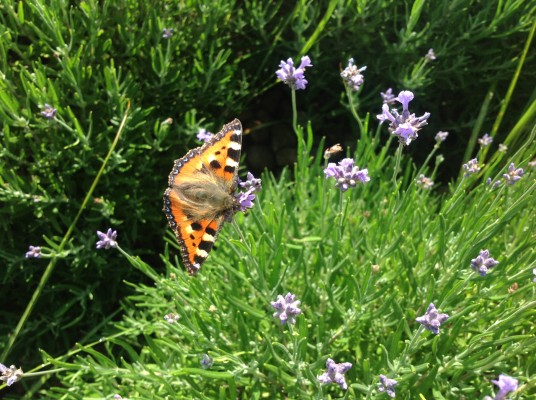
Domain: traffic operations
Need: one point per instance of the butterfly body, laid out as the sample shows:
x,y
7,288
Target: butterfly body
x,y
200,196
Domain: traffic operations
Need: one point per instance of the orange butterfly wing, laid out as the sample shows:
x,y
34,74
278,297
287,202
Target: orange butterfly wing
x,y
210,168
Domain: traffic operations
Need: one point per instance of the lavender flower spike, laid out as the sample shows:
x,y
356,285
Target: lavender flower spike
x,y
405,126
10,375
286,308
167,33
203,135
206,361
431,55
33,252
471,167
107,240
388,97
441,136
425,182
49,112
485,140
346,174
291,76
432,320
335,373
250,183
483,262
245,200
171,318
352,75
387,385
513,174
506,385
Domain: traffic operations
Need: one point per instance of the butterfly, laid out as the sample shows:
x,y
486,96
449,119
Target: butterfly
x,y
200,194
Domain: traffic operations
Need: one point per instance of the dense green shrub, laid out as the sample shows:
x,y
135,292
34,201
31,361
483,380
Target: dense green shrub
x,y
92,60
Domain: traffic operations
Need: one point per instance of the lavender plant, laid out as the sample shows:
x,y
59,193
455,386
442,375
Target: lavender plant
x,y
369,263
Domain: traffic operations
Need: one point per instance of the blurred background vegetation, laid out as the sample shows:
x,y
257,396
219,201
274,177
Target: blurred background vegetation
x,y
88,58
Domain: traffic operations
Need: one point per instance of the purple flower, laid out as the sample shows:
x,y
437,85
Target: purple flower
x,y
10,375
206,361
485,140
49,112
167,33
494,185
293,77
335,373
346,174
388,97
107,240
425,182
387,385
471,167
34,252
441,136
483,262
430,56
117,397
286,308
506,385
432,320
405,126
245,200
250,183
171,318
204,136
352,75
513,174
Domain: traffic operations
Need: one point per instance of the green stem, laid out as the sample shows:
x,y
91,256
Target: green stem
x,y
48,271
295,123
513,83
341,214
294,113
409,348
354,110
430,155
397,164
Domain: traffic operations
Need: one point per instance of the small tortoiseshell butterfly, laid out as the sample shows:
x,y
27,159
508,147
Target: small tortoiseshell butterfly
x,y
200,194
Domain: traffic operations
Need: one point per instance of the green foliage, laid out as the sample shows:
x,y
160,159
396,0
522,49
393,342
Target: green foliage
x,y
364,263
87,61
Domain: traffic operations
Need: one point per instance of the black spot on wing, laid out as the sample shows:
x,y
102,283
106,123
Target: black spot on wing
x,y
206,245
234,154
198,259
215,164
196,226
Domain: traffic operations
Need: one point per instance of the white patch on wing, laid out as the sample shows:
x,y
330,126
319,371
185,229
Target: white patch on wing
x,y
231,163
208,238
235,146
201,253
